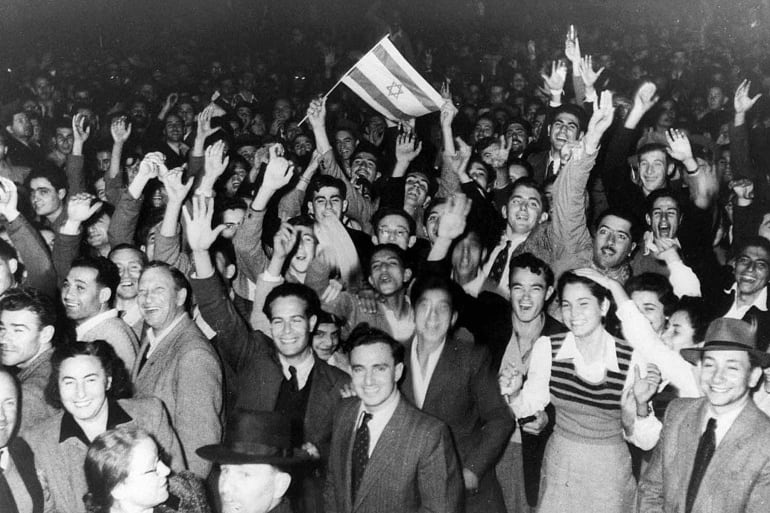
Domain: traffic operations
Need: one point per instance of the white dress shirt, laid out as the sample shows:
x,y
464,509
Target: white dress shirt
x,y
304,368
737,312
516,240
155,340
379,420
420,381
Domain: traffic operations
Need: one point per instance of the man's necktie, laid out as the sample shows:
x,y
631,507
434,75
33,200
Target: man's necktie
x,y
294,382
7,502
703,455
498,266
360,454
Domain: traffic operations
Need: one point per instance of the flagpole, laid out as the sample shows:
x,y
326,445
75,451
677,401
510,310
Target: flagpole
x,y
324,97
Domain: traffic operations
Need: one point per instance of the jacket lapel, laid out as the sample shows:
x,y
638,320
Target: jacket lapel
x,y
687,440
348,433
406,383
443,375
381,457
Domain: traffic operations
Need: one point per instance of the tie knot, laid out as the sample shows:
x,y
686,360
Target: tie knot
x,y
293,371
366,419
711,425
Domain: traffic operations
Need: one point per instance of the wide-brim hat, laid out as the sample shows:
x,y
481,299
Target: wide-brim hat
x,y
255,437
725,334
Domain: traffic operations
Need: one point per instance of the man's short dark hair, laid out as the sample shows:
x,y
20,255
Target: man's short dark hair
x,y
297,290
534,265
636,227
574,110
318,182
653,146
521,122
130,247
531,183
431,281
392,211
752,241
364,335
661,193
392,248
658,285
51,173
107,274
28,298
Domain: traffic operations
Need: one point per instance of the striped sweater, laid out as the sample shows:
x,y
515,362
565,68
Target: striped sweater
x,y
588,412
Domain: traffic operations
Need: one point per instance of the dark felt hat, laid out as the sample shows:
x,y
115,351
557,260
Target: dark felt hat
x,y
255,437
725,334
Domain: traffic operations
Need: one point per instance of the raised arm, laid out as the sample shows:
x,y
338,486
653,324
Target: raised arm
x,y
28,243
123,224
121,131
168,246
80,208
739,140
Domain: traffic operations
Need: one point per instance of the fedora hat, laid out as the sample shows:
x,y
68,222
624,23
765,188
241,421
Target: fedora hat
x,y
255,437
725,334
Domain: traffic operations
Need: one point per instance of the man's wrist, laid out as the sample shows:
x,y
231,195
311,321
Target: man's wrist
x,y
691,165
11,214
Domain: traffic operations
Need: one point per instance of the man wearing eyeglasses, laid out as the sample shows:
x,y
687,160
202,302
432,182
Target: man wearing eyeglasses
x,y
747,298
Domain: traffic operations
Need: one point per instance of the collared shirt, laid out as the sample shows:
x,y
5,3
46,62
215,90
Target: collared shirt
x,y
69,427
737,312
724,421
516,240
420,381
155,340
400,329
379,420
591,372
133,315
303,368
91,323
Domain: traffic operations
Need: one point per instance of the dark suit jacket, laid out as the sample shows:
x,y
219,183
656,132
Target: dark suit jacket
x,y
252,356
737,478
463,392
413,467
539,162
24,461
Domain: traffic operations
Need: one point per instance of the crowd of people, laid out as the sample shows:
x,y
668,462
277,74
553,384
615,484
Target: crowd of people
x,y
224,290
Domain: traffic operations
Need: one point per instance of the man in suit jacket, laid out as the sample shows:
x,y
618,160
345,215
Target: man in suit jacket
x,y
177,364
20,490
280,374
682,477
747,298
410,463
452,378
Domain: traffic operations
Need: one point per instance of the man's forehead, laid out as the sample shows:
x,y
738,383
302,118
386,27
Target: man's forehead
x,y
566,117
418,176
393,220
40,183
523,275
526,192
653,155
327,191
616,223
63,130
665,203
385,254
365,155
755,252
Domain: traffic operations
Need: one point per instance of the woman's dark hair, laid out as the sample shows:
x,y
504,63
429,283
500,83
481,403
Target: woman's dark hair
x,y
107,464
658,285
695,308
113,366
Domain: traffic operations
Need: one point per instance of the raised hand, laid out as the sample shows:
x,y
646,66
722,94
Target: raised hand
x,y
555,81
81,207
284,241
587,72
407,147
572,46
600,121
451,224
645,97
501,152
204,122
330,58
678,145
646,387
316,113
150,165
79,129
200,235
445,92
215,160
279,170
171,100
459,160
448,113
9,199
742,101
744,191
120,130
176,190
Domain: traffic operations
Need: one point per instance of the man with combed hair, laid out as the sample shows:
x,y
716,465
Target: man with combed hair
x,y
386,455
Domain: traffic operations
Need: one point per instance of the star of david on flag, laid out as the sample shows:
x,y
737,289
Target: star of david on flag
x,y
385,80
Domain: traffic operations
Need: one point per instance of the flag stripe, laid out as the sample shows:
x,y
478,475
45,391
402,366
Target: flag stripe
x,y
385,58
382,77
363,81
